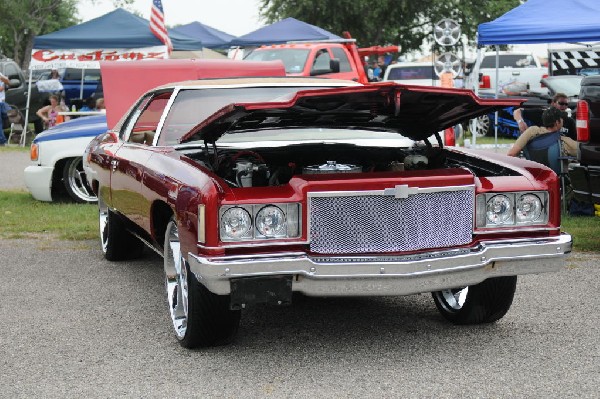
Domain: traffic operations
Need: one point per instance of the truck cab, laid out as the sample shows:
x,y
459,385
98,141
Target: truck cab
x,y
330,60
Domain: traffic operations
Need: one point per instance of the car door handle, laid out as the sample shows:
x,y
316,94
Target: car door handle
x,y
113,164
516,73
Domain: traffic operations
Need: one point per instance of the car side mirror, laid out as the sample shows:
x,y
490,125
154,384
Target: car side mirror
x,y
12,83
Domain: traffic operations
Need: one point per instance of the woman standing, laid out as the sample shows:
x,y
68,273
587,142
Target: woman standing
x,y
49,113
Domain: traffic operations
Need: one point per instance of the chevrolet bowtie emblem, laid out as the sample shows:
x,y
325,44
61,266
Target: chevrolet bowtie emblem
x,y
401,191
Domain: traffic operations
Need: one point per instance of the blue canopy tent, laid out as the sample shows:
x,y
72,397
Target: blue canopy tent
x,y
286,30
544,21
210,37
116,29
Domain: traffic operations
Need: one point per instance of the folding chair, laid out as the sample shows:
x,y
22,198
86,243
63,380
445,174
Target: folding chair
x,y
547,150
17,127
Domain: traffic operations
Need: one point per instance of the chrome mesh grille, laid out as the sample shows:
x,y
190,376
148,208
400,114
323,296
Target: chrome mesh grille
x,y
383,223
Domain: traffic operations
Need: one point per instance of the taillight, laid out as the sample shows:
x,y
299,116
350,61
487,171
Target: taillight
x,y
583,121
449,138
486,83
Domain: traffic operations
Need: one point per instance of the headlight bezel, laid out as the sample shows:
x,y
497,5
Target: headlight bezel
x,y
514,213
291,225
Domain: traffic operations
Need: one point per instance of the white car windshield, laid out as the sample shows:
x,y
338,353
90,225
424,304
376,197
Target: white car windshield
x,y
293,59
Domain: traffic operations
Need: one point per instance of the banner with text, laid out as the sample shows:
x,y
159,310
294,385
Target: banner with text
x,y
90,58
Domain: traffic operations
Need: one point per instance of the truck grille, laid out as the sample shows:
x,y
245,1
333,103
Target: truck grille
x,y
383,223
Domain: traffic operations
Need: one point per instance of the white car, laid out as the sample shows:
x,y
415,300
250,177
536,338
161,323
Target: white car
x,y
56,160
412,73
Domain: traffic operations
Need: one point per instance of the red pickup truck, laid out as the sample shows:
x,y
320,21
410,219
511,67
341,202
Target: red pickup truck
x,y
339,60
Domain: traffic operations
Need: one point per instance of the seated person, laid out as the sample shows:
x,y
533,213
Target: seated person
x,y
552,119
90,105
533,116
100,105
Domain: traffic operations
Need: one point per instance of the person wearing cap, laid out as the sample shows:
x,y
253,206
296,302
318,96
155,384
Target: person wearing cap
x,y
533,116
552,120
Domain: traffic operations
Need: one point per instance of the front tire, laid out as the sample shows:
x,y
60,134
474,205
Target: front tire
x,y
117,242
76,182
485,302
199,317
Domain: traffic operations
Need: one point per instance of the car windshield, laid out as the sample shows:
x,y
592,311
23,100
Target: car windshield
x,y
570,85
191,107
293,59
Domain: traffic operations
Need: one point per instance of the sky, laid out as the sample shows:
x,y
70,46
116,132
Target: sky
x,y
235,17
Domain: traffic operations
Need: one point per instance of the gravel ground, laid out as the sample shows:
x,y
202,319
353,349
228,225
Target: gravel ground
x,y
13,163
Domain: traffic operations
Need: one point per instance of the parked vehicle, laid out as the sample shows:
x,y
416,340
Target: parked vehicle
x,y
518,72
322,192
78,84
16,93
56,169
585,176
331,60
412,73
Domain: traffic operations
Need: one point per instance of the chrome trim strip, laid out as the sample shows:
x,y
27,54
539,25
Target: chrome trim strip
x,y
401,188
389,275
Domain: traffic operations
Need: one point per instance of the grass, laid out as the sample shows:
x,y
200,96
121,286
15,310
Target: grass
x,y
21,216
585,231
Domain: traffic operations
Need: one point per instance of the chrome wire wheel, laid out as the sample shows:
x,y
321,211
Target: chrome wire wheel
x,y
103,222
76,181
454,299
482,126
176,281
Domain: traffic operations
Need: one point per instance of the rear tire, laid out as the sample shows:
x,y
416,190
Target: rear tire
x,y
485,302
76,182
199,317
117,242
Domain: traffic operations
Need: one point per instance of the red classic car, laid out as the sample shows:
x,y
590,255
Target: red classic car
x,y
326,192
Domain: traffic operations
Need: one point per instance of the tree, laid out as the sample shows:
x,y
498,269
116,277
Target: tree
x,y
408,23
22,20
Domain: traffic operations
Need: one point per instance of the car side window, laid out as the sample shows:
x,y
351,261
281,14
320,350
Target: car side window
x,y
322,60
11,72
340,54
143,123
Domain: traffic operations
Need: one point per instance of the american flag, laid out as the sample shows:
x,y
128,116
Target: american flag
x,y
157,24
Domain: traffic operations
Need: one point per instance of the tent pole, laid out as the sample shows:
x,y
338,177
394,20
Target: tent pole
x,y
496,96
26,127
81,89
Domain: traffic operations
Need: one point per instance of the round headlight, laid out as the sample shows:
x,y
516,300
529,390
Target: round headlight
x,y
529,208
270,222
499,209
236,222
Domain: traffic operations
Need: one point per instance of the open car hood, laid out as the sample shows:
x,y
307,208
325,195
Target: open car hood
x,y
416,112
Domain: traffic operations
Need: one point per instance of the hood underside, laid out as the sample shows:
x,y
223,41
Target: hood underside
x,y
416,112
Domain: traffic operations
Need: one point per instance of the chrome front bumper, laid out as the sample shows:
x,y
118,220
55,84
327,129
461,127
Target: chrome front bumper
x,y
389,275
